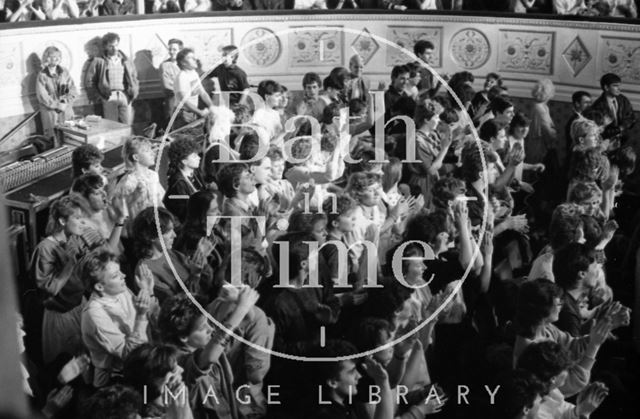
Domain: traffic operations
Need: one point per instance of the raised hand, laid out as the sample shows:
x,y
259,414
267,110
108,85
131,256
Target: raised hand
x,y
600,331
142,303
375,371
590,398
145,279
56,400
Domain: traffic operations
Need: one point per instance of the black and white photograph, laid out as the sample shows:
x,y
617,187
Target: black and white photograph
x,y
319,209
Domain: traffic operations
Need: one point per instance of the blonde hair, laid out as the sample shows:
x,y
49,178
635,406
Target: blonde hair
x,y
543,90
581,128
132,147
48,51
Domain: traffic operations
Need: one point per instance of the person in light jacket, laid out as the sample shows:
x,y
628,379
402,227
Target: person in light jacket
x,y
55,91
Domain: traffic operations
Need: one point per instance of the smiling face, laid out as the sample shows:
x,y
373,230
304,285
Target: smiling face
x,y
370,196
356,66
53,59
173,50
489,83
427,55
98,199
75,224
613,89
401,82
347,221
189,61
346,381
246,183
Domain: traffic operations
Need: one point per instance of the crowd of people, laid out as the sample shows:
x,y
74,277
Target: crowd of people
x,y
435,228
25,10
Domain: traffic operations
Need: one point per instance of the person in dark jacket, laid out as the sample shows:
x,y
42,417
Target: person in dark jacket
x,y
612,102
112,80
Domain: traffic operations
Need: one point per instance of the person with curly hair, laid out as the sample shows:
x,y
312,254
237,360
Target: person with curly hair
x,y
184,176
86,158
194,272
113,402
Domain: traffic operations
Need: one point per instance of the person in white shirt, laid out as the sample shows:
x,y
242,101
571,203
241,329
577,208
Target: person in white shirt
x,y
187,85
114,322
168,71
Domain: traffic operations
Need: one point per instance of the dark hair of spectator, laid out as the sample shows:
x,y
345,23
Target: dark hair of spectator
x,y
182,55
229,178
609,79
268,88
536,299
310,78
568,262
109,38
518,390
145,230
577,96
93,264
420,46
175,41
398,70
113,402
147,365
545,359
177,151
83,157
86,184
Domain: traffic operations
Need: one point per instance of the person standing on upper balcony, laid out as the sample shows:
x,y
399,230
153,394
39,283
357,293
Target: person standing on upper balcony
x,y
55,91
187,84
117,8
428,86
399,81
168,71
113,79
613,102
356,85
231,78
567,7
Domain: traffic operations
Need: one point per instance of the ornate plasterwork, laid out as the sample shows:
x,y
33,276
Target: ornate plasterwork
x,y
365,45
576,56
622,57
525,52
470,49
406,36
314,47
10,65
261,47
208,45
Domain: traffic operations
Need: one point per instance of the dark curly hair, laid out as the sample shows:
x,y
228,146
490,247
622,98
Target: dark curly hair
x,y
177,151
147,364
145,230
113,402
568,262
83,157
545,359
472,162
566,221
589,165
343,205
535,300
446,189
229,177
178,317
86,183
518,390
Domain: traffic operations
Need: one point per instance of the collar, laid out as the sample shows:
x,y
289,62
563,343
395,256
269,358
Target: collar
x,y
240,204
58,71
